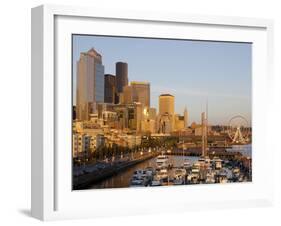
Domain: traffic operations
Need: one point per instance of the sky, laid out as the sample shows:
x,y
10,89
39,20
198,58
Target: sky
x,y
195,72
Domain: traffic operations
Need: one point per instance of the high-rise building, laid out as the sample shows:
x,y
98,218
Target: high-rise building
x,y
179,122
141,93
109,88
90,83
121,76
204,133
126,96
166,104
166,113
137,92
185,115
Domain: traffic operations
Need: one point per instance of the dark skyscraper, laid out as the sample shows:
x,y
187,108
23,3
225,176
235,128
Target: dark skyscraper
x,y
121,76
109,88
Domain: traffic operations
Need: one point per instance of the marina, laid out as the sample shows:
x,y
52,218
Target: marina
x,y
164,169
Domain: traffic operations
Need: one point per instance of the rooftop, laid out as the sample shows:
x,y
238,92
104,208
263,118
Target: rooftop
x,y
166,95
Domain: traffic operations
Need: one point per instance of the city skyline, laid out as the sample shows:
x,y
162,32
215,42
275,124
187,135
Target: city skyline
x,y
192,71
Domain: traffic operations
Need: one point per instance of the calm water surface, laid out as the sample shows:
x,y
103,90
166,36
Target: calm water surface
x,y
122,179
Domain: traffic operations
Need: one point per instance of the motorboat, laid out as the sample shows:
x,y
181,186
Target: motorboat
x,y
137,181
217,163
187,164
179,176
162,161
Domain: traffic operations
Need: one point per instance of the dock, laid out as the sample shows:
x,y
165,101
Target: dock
x,y
87,179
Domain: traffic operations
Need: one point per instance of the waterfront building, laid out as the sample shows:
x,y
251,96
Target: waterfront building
x,y
80,145
110,92
90,83
133,140
121,76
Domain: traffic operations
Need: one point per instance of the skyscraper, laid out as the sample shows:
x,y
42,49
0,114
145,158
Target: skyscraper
x,y
121,76
90,83
185,115
204,133
109,88
137,92
166,104
166,113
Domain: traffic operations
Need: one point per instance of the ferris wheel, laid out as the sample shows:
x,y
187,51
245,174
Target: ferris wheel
x,y
238,129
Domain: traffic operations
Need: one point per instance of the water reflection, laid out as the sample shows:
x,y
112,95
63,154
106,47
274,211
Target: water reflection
x,y
122,179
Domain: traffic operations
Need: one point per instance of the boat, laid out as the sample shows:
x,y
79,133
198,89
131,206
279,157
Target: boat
x,y
156,181
149,171
179,176
162,161
236,172
217,163
221,177
160,178
210,177
137,181
187,164
140,173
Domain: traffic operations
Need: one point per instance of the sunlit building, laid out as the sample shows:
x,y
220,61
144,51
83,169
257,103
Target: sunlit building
x,y
185,115
166,113
80,145
90,83
137,92
166,104
179,122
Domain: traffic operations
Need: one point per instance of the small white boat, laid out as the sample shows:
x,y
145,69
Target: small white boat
x,y
236,172
162,161
156,182
217,163
187,164
179,176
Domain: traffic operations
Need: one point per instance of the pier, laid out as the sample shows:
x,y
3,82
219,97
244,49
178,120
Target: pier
x,y
212,152
106,170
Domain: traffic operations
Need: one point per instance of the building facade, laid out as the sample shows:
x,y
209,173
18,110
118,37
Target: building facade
x,y
90,83
110,89
137,92
166,113
185,115
121,76
166,104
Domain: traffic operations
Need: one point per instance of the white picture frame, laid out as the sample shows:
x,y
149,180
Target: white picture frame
x,y
52,198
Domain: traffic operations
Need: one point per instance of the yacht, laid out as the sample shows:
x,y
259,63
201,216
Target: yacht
x,y
136,181
187,164
162,162
179,176
217,163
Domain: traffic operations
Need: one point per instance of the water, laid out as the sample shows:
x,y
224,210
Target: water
x,y
245,150
122,179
